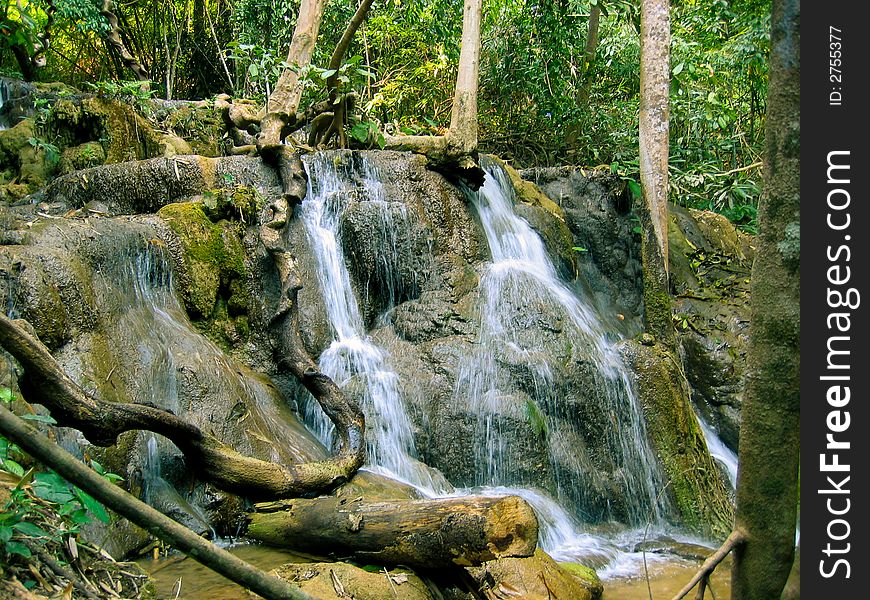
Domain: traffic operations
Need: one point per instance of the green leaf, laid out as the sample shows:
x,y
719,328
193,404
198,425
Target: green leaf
x,y
97,509
18,548
6,394
634,187
679,68
253,70
328,73
80,516
29,529
13,467
579,249
5,534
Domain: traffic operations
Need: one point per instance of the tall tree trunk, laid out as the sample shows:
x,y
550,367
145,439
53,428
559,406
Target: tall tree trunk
x,y
655,36
462,136
589,53
769,438
283,103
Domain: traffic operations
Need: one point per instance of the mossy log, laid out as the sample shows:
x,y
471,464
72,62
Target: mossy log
x,y
419,533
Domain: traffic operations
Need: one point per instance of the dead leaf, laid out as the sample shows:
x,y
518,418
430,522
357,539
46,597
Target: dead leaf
x,y
399,579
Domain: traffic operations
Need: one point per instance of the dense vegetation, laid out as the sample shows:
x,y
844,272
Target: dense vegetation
x,y
553,90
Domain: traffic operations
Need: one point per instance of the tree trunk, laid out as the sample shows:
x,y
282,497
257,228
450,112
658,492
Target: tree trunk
x,y
770,436
462,135
418,533
156,523
113,38
653,130
589,52
454,153
282,105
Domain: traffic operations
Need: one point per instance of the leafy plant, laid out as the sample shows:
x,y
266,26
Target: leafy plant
x,y
52,152
39,498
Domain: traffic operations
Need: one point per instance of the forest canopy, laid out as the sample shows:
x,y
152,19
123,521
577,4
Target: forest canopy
x,y
559,79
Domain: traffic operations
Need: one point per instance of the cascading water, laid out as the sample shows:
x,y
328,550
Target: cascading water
x,y
520,277
719,451
519,284
352,360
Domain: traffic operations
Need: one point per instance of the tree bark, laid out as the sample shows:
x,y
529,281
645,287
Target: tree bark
x,y
454,154
653,131
159,525
462,135
341,48
770,436
420,533
283,103
113,38
589,52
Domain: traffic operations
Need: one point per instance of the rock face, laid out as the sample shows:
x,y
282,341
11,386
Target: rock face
x,y
103,294
171,309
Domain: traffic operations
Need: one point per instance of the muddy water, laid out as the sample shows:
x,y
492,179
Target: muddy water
x,y
184,578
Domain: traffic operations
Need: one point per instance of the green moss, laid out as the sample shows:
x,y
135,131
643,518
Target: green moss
x,y
239,202
213,288
694,481
586,574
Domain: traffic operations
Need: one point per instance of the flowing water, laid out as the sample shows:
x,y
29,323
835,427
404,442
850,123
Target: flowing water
x,y
520,269
719,451
352,360
521,280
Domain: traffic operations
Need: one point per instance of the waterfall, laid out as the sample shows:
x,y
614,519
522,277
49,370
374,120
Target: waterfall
x,y
719,451
519,284
520,276
352,360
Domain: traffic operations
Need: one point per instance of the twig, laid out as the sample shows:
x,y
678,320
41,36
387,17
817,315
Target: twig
x,y
736,538
738,170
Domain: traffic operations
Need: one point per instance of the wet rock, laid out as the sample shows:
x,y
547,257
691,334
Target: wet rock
x,y
668,545
710,269
597,212
538,577
342,580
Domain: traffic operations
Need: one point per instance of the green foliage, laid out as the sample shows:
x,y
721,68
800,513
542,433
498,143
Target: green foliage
x,y
52,152
257,69
133,91
42,508
536,419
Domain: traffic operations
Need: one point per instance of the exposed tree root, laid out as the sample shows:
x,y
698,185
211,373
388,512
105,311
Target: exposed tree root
x,y
143,515
102,422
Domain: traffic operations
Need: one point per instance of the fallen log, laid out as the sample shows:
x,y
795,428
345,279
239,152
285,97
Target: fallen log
x,y
418,533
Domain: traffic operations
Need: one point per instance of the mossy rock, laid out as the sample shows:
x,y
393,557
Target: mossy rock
x,y
13,141
327,581
201,128
213,257
240,203
536,577
83,156
587,576
695,483
124,134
